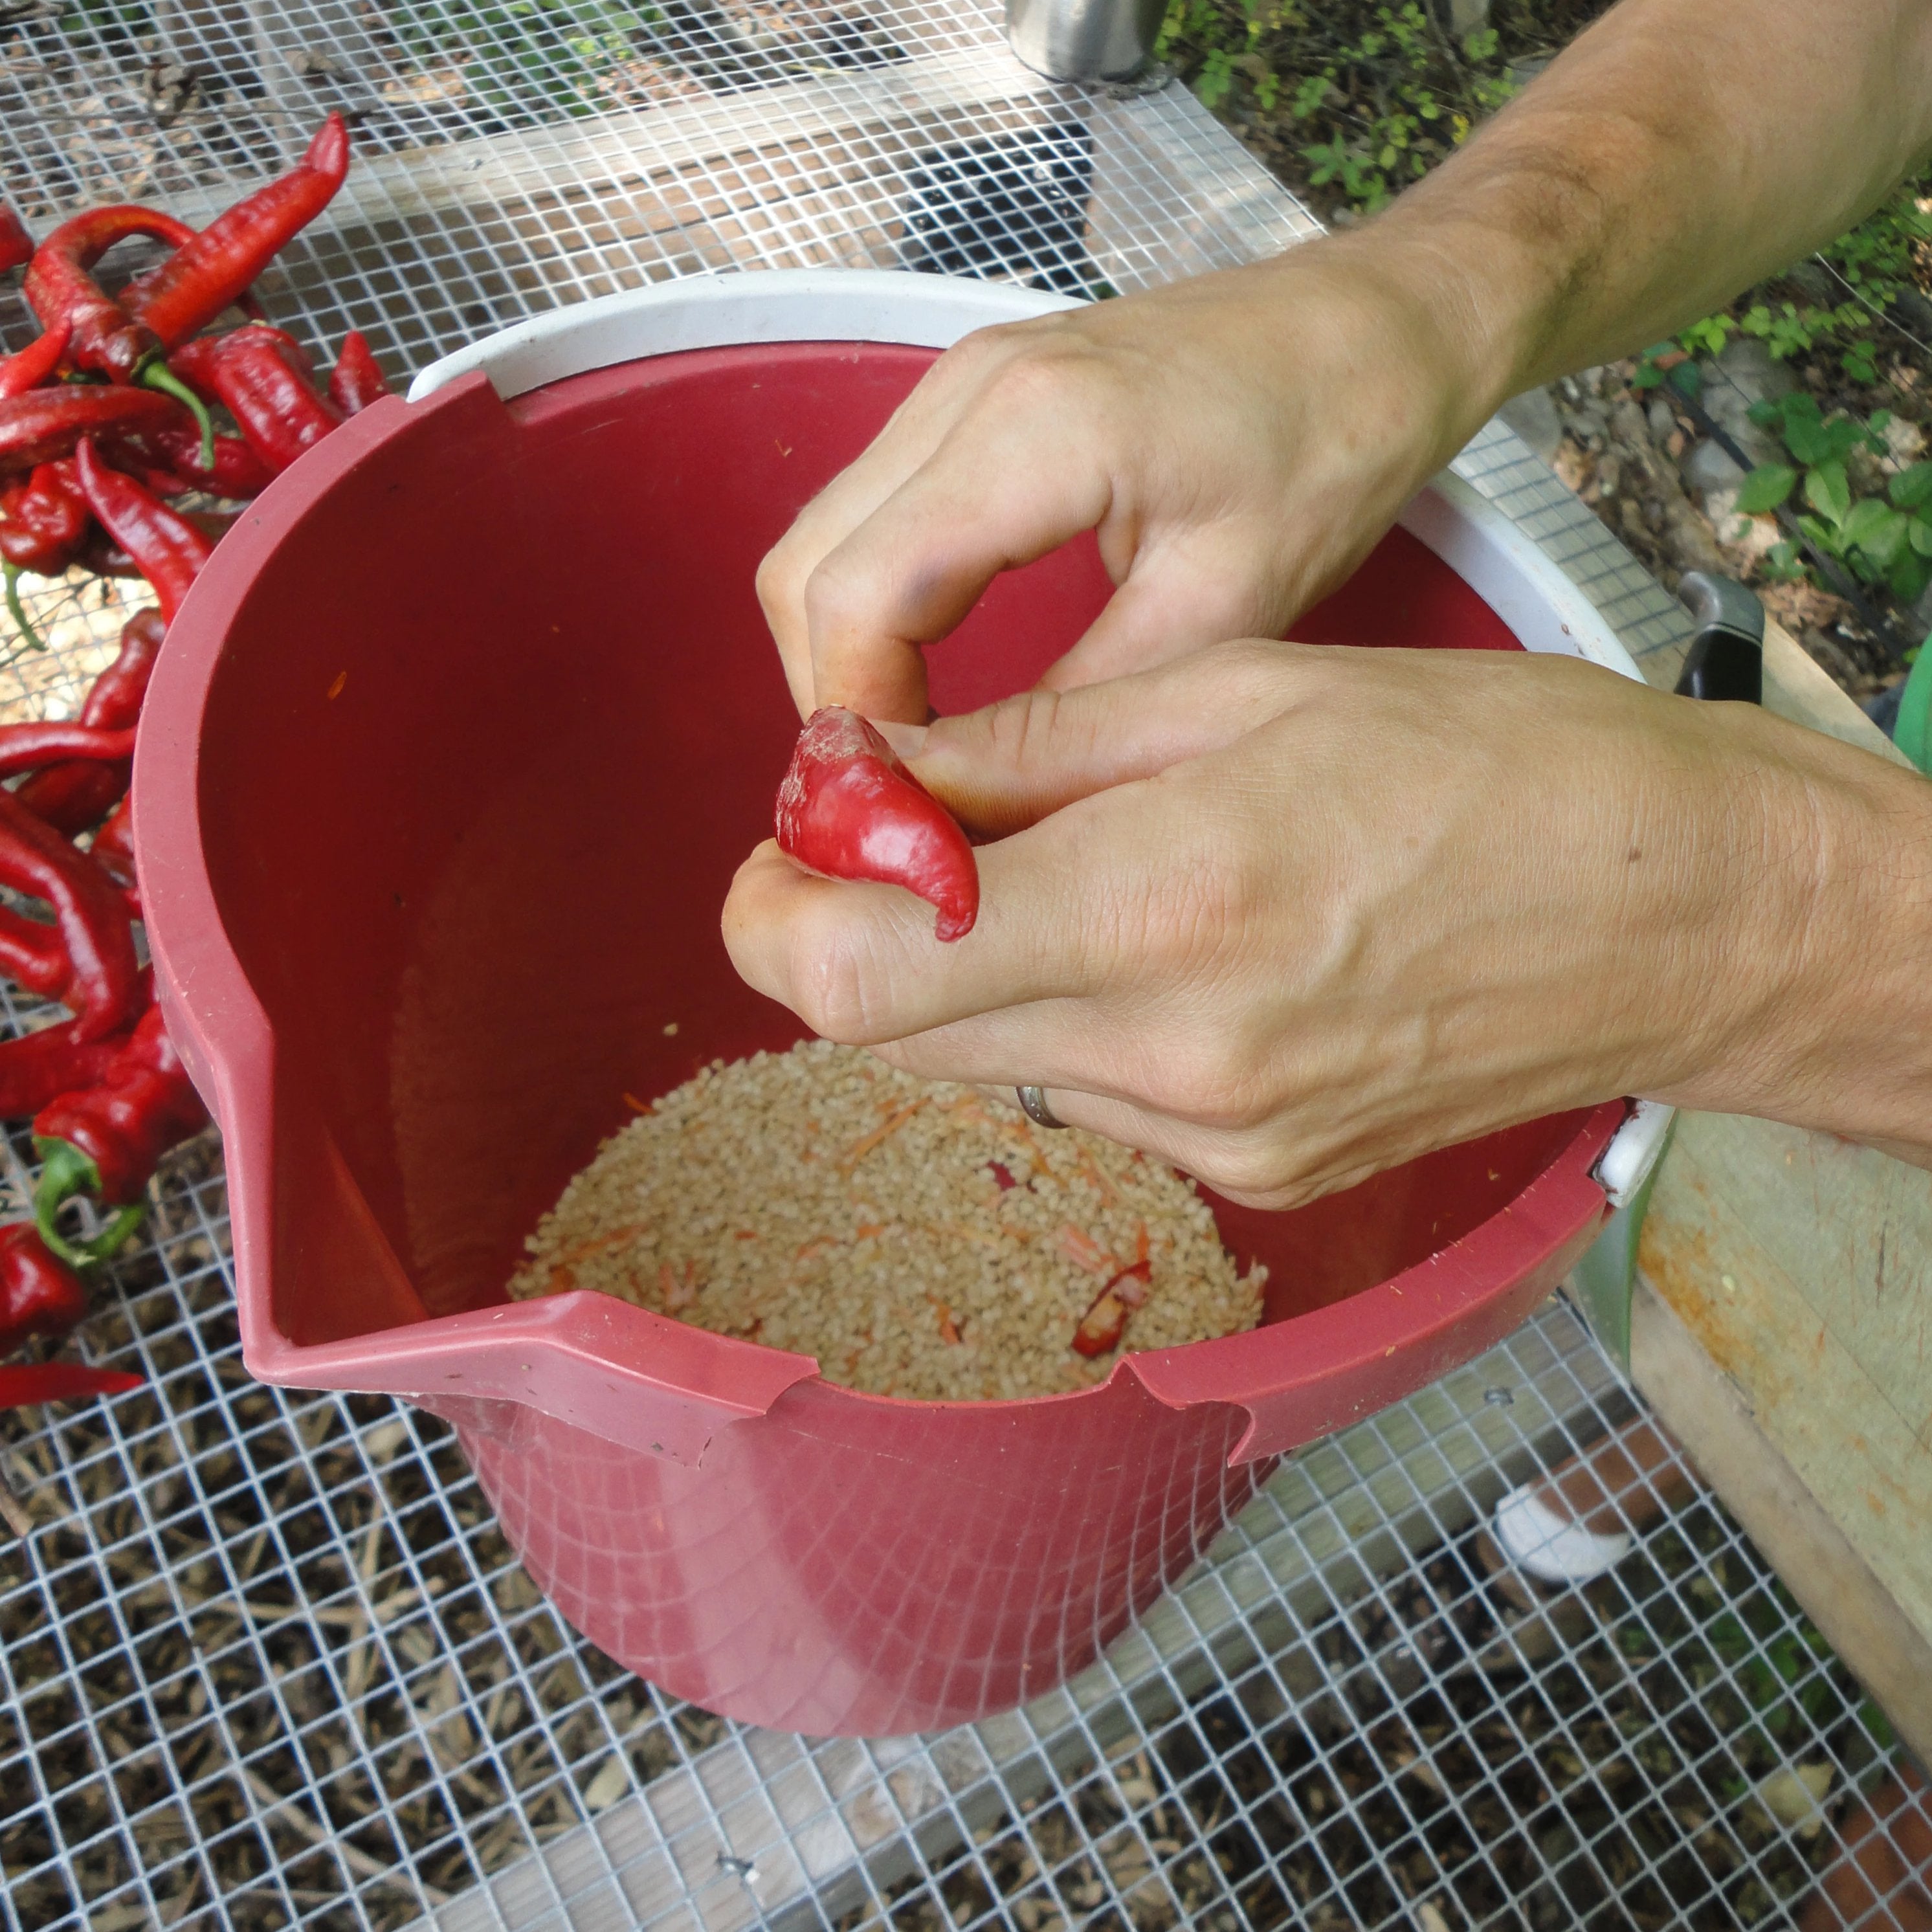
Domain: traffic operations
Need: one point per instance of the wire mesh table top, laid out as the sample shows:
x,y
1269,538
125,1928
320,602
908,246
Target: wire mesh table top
x,y
267,1659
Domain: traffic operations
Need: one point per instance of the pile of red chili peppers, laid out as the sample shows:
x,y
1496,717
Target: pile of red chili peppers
x,y
111,411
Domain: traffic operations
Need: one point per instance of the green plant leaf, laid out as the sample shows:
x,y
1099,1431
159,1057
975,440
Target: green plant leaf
x,y
1909,574
1687,379
1912,487
1647,376
1842,436
1821,535
1766,415
1765,488
1875,528
1828,493
1808,442
1920,532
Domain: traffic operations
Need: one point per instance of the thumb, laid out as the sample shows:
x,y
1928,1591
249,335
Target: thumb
x,y
1004,767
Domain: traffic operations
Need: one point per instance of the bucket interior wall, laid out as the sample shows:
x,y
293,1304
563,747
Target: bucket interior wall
x,y
497,723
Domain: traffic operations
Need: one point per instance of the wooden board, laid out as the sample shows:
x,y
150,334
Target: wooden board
x,y
1802,1267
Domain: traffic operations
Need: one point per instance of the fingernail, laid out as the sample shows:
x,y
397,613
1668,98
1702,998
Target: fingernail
x,y
908,740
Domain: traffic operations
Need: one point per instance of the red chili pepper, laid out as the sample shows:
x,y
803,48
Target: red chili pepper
x,y
113,851
357,379
236,472
849,810
74,796
40,1295
34,859
107,1142
43,519
263,376
34,364
101,554
38,1068
16,245
45,424
60,287
28,1384
31,954
170,550
203,276
27,747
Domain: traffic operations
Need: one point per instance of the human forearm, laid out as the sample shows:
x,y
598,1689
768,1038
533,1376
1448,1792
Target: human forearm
x,y
1675,153
1820,978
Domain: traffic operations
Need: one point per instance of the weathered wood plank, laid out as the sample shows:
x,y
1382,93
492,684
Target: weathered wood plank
x,y
1859,1615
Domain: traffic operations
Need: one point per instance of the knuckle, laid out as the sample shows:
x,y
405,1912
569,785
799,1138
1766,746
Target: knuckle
x,y
1214,1083
838,586
1046,376
780,574
1250,1170
1195,911
973,356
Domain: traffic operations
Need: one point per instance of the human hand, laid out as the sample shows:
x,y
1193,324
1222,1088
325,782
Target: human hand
x,y
1237,442
1287,915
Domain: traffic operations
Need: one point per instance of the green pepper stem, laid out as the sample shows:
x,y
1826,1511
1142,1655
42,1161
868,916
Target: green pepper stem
x,y
18,611
158,375
67,1174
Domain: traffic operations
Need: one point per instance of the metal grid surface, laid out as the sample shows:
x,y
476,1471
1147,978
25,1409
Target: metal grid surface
x,y
267,1662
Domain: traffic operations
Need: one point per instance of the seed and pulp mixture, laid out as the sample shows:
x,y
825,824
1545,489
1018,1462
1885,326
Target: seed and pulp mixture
x,y
916,1238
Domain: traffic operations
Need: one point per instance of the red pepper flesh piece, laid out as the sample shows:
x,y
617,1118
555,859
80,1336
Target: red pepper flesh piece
x,y
1106,1322
107,989
262,375
1101,1328
16,245
170,550
40,1295
73,796
108,1140
213,269
849,809
357,379
28,1384
35,364
44,424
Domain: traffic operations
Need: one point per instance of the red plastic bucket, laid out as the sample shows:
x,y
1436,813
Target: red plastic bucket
x,y
446,767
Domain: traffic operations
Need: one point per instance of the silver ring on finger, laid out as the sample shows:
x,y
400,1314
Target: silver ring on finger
x,y
1033,1104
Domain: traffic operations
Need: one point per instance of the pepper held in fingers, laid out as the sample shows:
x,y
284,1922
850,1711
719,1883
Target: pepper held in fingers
x,y
849,809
